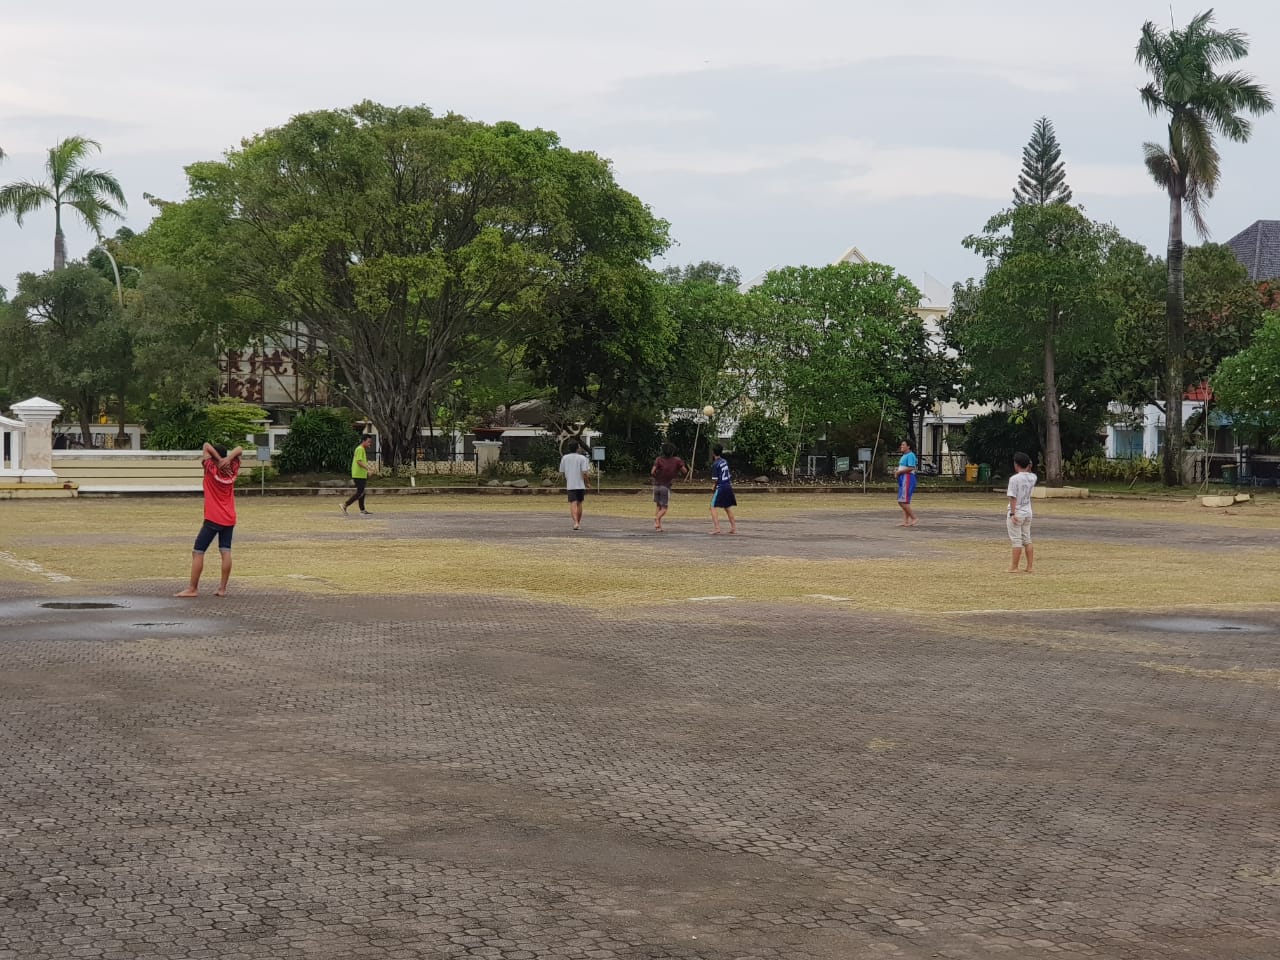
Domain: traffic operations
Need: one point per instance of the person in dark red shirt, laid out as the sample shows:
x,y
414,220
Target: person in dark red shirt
x,y
220,470
666,470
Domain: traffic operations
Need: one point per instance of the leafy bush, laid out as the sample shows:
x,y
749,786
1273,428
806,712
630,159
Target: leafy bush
x,y
995,437
630,449
763,443
543,454
177,426
231,420
1093,467
681,433
319,441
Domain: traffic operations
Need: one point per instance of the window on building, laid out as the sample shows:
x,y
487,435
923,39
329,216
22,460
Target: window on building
x,y
1128,443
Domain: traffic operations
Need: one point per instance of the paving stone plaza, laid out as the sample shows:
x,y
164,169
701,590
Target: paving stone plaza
x,y
319,771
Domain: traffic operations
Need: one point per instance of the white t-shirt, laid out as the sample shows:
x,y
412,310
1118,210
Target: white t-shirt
x,y
1020,487
575,468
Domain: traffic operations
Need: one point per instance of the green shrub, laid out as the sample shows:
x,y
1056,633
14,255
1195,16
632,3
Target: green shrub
x,y
231,420
995,437
182,425
681,433
1085,467
763,443
319,441
543,454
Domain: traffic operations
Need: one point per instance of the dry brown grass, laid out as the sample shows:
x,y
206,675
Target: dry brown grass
x,y
118,541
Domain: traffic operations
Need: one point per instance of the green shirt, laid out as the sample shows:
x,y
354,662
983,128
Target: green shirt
x,y
360,464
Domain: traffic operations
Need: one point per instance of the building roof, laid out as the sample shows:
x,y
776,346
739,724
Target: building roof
x,y
1258,248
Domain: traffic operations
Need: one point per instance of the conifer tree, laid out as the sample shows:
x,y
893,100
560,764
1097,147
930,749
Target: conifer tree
x,y
1043,179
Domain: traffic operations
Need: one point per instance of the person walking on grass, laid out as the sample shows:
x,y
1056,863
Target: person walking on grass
x,y
221,467
722,498
360,467
666,470
906,474
1018,521
575,468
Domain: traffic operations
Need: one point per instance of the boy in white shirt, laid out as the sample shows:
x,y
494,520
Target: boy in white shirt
x,y
575,468
1018,522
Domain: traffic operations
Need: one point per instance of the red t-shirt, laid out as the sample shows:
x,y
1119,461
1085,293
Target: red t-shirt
x,y
665,470
220,492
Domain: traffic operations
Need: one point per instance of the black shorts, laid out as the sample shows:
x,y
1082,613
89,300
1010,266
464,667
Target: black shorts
x,y
577,496
210,530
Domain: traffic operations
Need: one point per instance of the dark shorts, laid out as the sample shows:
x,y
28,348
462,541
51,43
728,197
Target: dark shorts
x,y
577,496
723,498
210,530
662,496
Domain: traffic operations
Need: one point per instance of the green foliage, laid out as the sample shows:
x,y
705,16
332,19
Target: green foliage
x,y
1041,323
177,425
1247,385
1223,311
408,243
764,443
1043,179
631,443
319,441
92,194
843,342
1085,467
543,454
68,340
257,475
681,433
231,420
995,437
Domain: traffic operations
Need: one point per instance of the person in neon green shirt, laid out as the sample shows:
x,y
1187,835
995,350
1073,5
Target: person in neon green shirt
x,y
360,467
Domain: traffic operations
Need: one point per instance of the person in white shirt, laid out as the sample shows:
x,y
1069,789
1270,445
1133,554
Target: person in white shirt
x,y
575,468
1018,522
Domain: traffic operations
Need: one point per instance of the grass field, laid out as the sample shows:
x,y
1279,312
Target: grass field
x,y
1178,552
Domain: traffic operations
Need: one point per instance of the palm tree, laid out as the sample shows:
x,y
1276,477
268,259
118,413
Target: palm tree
x,y
1200,103
90,193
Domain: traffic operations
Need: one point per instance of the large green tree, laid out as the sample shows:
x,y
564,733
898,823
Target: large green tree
x,y
1247,385
841,341
1223,309
93,194
1044,178
68,338
1201,101
1041,320
404,241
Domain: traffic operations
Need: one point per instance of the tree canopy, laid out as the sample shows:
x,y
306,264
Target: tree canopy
x,y
405,241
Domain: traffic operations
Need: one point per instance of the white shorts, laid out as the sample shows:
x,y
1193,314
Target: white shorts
x,y
1020,532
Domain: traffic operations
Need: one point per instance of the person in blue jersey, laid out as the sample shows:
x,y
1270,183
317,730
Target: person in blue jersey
x,y
906,472
723,498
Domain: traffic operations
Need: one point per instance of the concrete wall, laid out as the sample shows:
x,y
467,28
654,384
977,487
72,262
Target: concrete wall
x,y
151,471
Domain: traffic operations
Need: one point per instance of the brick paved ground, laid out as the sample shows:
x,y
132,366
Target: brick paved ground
x,y
281,776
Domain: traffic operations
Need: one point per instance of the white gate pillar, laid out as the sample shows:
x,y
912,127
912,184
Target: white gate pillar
x,y
37,414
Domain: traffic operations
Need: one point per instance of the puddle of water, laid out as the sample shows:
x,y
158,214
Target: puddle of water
x,y
80,605
1199,625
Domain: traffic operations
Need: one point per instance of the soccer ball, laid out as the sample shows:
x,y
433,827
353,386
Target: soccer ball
x,y
708,411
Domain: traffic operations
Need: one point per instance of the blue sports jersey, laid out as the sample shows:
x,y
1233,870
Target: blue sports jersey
x,y
720,473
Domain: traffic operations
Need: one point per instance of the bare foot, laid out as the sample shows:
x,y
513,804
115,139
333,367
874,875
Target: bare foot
x,y
904,524
220,593
733,531
1028,570
188,593
575,526
715,533
1013,570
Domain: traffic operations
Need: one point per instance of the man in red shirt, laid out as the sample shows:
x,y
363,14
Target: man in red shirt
x,y
220,471
666,470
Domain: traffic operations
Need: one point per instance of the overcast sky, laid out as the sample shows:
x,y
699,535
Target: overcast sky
x,y
767,133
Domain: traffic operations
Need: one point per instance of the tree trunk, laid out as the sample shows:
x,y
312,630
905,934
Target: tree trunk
x,y
86,435
59,241
1175,327
1052,413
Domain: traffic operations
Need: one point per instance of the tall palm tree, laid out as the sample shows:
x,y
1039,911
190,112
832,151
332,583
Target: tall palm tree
x,y
1200,103
90,193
